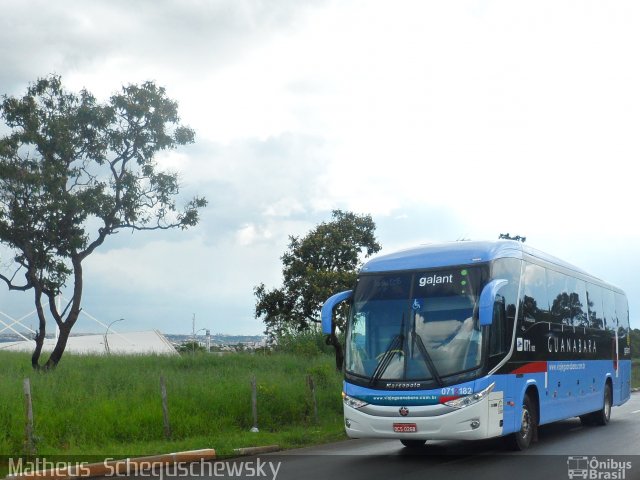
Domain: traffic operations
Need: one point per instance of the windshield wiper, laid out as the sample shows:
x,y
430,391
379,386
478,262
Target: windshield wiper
x,y
417,339
394,347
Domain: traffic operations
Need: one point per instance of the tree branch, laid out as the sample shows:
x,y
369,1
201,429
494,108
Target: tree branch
x,y
54,309
11,286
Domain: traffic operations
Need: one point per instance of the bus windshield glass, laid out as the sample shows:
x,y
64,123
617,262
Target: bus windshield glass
x,y
418,326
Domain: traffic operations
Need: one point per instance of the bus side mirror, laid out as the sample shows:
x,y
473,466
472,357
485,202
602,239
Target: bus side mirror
x,y
329,306
487,298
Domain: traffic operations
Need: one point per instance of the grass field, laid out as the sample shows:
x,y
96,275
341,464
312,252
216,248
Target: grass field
x,y
112,405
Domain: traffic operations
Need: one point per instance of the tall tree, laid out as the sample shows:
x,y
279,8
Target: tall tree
x,y
74,171
315,267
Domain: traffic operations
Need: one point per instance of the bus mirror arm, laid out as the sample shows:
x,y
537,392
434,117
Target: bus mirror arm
x,y
487,298
329,306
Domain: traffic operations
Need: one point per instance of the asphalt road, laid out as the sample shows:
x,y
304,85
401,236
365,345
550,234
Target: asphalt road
x,y
612,446
610,452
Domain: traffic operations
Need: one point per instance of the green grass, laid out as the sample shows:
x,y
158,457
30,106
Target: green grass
x,y
112,405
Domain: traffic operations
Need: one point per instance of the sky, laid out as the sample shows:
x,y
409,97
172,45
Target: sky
x,y
443,120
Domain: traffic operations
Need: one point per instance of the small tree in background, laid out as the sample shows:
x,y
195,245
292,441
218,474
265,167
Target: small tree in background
x,y
322,263
635,342
73,172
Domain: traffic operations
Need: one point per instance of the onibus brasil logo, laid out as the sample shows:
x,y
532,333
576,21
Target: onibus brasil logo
x,y
597,469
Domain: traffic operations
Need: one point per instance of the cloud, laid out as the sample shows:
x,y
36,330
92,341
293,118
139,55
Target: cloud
x,y
256,182
124,41
154,285
442,119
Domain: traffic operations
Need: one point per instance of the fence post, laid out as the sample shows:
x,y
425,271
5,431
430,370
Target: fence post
x,y
165,408
254,404
312,387
29,440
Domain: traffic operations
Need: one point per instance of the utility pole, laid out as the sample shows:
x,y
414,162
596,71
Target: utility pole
x,y
106,336
193,331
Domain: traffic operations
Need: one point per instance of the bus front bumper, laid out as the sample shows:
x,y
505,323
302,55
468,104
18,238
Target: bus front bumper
x,y
483,419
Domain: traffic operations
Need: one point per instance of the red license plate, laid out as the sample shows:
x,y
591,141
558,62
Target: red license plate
x,y
405,428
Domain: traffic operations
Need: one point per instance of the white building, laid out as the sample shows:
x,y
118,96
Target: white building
x,y
130,343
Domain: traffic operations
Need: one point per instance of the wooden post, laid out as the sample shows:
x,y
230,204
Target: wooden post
x,y
165,408
312,387
254,404
29,442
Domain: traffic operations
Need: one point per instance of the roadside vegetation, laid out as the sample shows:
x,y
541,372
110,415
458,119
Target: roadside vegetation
x,y
98,406
111,405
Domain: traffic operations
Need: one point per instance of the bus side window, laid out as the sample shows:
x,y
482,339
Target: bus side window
x,y
609,310
578,297
594,301
560,311
534,304
622,313
498,339
508,269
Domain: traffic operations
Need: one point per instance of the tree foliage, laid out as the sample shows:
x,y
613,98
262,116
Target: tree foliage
x,y
74,171
314,267
635,342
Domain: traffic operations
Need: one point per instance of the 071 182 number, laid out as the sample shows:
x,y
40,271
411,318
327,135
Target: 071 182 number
x,y
456,391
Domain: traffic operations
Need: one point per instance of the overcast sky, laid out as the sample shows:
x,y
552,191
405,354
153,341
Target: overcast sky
x,y
443,120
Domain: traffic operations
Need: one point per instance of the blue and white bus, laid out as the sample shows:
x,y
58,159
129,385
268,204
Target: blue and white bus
x,y
473,340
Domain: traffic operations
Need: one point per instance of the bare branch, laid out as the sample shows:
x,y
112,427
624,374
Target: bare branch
x,y
11,286
54,309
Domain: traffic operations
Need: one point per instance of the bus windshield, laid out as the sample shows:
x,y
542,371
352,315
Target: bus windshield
x,y
418,326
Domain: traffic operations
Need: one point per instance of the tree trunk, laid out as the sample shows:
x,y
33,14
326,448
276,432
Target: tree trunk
x,y
61,344
42,330
66,325
35,357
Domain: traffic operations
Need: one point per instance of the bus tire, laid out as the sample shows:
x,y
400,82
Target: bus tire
x,y
587,420
413,443
521,439
602,416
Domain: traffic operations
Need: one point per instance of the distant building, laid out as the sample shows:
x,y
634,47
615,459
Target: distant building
x,y
131,343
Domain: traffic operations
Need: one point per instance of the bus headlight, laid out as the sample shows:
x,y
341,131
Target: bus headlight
x,y
352,402
470,399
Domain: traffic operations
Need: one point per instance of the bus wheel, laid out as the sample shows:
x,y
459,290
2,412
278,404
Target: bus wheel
x,y
413,443
521,439
601,417
587,420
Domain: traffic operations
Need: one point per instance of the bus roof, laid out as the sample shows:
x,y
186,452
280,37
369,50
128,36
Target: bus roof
x,y
458,253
